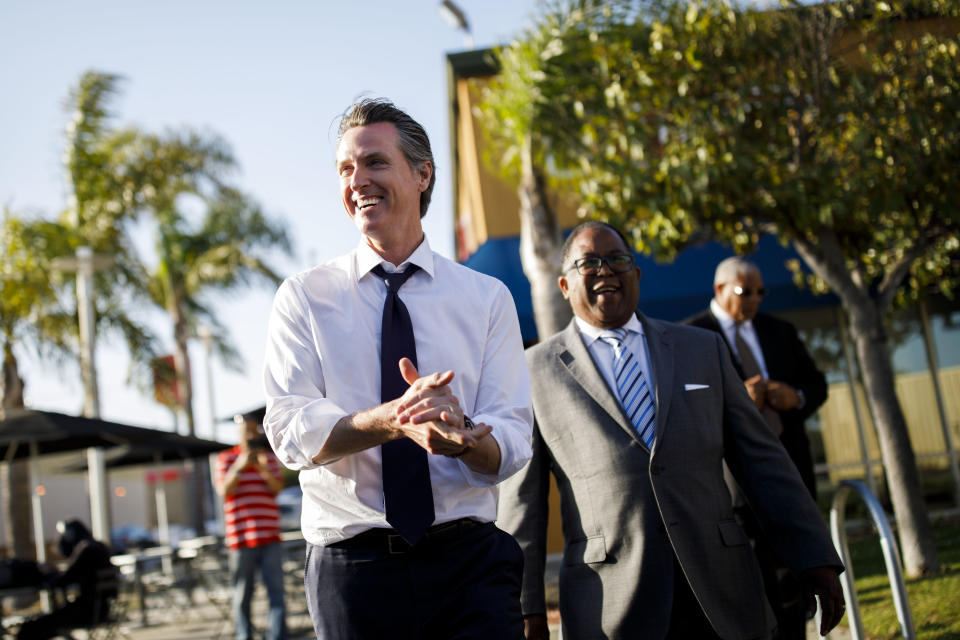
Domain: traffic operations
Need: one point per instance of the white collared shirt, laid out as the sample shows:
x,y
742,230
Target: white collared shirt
x,y
323,363
602,352
747,332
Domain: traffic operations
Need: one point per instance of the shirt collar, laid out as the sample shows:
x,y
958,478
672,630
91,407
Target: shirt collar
x,y
591,333
727,323
367,259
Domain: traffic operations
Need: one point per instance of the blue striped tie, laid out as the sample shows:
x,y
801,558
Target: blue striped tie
x,y
632,387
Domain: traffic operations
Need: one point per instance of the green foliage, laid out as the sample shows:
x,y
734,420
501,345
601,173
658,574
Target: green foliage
x,y
834,125
104,200
120,175
209,235
539,73
30,309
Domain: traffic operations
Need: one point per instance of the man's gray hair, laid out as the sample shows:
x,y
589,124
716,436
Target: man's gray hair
x,y
414,143
732,268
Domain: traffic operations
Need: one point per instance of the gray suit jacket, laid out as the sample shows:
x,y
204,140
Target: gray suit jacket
x,y
627,512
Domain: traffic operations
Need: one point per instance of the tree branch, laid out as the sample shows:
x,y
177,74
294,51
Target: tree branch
x,y
894,276
827,261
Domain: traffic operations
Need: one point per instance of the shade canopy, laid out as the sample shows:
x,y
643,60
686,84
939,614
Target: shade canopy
x,y
167,447
57,432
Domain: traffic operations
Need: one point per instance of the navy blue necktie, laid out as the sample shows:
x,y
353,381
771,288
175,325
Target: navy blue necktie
x,y
407,496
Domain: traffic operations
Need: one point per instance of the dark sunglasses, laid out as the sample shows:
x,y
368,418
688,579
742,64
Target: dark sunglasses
x,y
747,291
591,266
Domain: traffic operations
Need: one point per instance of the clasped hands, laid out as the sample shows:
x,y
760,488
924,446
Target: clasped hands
x,y
429,414
779,396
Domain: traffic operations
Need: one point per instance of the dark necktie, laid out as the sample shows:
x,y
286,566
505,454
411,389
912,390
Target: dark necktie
x,y
751,368
407,496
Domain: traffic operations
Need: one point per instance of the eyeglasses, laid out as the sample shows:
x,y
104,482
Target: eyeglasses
x,y
591,266
744,292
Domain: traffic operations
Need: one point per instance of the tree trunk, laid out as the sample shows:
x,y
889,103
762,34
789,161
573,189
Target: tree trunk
x,y
15,475
540,251
194,468
181,362
903,479
873,353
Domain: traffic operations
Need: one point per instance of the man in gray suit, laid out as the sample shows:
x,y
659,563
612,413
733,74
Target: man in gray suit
x,y
651,546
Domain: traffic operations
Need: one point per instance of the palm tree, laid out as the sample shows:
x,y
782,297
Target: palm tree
x,y
34,312
117,177
30,317
106,193
223,251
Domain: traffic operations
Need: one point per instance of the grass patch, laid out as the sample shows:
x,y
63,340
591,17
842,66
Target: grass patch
x,y
934,601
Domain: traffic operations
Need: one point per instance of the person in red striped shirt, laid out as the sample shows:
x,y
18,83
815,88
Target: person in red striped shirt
x,y
249,478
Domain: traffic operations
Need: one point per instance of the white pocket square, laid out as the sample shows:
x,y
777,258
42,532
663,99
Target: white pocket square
x,y
694,387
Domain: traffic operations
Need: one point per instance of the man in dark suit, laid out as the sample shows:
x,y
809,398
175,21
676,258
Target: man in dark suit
x,y
634,417
788,384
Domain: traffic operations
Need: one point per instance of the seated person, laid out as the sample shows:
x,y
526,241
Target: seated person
x,y
88,563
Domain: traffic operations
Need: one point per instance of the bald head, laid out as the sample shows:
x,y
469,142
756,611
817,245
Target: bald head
x,y
738,288
733,268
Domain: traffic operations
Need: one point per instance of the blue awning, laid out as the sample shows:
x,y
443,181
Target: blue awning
x,y
670,291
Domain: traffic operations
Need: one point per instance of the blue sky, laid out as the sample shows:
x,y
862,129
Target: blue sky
x,y
271,78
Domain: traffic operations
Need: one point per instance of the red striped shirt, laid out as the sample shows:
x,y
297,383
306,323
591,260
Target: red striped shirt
x,y
251,516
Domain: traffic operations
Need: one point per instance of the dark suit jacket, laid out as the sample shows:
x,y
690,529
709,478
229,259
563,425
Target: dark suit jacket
x,y
627,512
787,361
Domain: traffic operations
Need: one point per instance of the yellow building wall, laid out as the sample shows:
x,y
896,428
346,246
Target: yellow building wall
x,y
916,395
487,205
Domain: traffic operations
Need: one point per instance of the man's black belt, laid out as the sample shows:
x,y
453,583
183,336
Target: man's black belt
x,y
392,542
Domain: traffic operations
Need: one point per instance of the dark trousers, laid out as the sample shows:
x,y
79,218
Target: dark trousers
x,y
782,586
462,588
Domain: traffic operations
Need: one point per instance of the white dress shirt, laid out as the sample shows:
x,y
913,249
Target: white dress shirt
x,y
603,355
323,363
747,332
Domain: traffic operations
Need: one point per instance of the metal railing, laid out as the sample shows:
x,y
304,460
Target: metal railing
x,y
891,558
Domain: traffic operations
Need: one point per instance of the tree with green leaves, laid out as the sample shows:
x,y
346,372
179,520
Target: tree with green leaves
x,y
31,317
116,178
31,310
209,238
833,127
120,176
105,196
38,308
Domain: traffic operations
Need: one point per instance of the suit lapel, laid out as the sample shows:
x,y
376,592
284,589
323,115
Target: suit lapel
x,y
768,346
660,351
577,360
715,326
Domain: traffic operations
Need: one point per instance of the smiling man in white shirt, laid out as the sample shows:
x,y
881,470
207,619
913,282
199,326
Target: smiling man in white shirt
x,y
380,561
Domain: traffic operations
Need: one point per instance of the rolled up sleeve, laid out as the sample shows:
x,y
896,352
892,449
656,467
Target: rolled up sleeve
x,y
503,394
299,416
